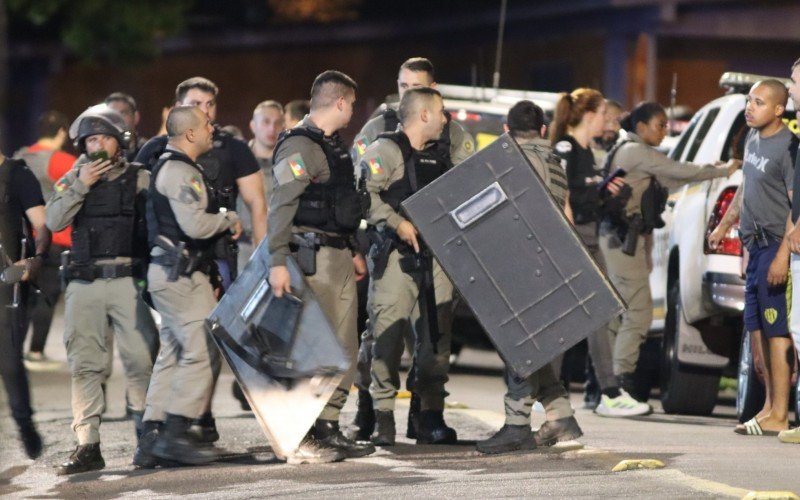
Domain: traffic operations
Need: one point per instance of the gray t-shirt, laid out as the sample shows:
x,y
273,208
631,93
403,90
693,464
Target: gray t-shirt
x,y
768,172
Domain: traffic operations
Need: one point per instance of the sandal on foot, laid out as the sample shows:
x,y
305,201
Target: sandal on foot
x,y
753,428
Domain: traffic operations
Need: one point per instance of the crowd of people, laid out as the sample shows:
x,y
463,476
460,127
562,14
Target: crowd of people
x,y
169,223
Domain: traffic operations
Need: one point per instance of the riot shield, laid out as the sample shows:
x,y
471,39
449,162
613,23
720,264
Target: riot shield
x,y
511,253
283,352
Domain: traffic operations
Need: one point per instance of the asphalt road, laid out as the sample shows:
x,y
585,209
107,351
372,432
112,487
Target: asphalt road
x,y
702,456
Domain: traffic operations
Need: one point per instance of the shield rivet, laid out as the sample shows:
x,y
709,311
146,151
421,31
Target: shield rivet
x,y
472,279
505,145
529,362
458,242
516,217
538,272
530,236
561,340
538,249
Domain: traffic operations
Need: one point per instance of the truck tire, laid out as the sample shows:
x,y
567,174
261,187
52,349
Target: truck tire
x,y
684,389
750,391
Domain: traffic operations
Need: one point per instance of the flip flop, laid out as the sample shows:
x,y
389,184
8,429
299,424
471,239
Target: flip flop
x,y
753,428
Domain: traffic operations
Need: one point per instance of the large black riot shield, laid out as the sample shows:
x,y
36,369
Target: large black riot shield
x,y
283,352
511,253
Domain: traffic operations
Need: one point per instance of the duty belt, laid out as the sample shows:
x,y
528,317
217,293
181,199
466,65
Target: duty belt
x,y
91,272
325,240
192,263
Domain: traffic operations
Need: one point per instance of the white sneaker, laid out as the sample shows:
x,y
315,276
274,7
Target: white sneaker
x,y
621,406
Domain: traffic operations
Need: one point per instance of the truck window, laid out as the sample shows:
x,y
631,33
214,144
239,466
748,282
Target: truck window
x,y
734,143
678,150
701,133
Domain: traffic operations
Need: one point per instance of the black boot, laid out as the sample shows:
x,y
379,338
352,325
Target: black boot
x,y
385,433
138,425
433,430
364,422
143,457
413,416
239,395
328,434
312,451
31,439
509,438
204,429
177,445
555,431
85,458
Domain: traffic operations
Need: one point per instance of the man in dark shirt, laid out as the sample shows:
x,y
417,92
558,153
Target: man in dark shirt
x,y
21,213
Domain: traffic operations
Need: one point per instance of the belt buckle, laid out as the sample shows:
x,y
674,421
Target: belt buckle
x,y
108,272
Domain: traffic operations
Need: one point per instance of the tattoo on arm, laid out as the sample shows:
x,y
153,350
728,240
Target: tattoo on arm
x,y
734,208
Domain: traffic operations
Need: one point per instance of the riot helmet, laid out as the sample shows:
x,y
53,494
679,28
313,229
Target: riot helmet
x,y
99,119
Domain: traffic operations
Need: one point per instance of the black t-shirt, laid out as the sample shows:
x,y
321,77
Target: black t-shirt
x,y
230,159
24,189
583,177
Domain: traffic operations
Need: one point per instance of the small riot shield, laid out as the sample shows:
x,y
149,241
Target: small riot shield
x,y
283,352
513,256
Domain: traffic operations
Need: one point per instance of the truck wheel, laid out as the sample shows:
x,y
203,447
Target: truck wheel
x,y
684,389
750,391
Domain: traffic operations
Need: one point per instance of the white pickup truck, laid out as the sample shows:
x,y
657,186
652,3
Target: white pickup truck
x,y
698,294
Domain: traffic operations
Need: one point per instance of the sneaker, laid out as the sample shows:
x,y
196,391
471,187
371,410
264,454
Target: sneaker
x,y
312,451
622,406
790,436
509,438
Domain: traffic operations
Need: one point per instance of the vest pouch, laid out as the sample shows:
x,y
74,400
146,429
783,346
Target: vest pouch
x,y
312,213
110,238
348,210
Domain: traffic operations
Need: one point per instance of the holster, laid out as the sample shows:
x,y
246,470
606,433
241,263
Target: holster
x,y
381,246
307,247
179,261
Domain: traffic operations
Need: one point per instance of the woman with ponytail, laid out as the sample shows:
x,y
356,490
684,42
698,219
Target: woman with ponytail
x,y
579,118
626,234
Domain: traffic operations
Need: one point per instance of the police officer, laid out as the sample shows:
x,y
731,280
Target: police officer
x,y
453,145
315,207
525,123
630,222
183,220
104,201
21,212
232,171
397,164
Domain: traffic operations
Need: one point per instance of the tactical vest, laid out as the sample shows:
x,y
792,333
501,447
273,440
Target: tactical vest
x,y
213,162
438,150
548,166
161,219
12,219
419,170
108,224
39,163
333,206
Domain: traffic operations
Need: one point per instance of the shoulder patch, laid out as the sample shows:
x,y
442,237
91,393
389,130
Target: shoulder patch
x,y
188,195
563,146
196,184
361,145
375,166
297,166
61,185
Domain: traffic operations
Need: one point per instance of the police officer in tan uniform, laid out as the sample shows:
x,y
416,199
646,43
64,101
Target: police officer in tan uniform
x,y
451,147
396,165
629,272
315,208
525,123
104,200
183,222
